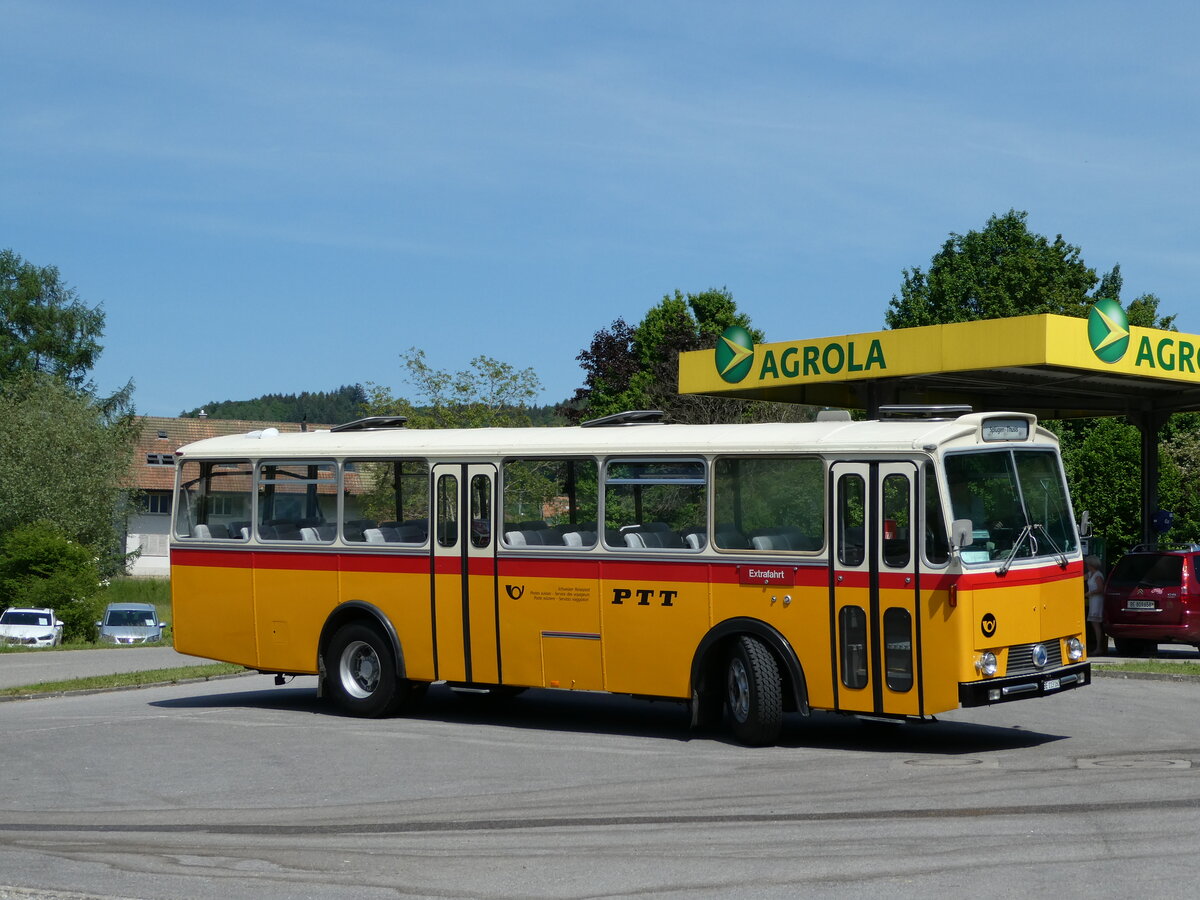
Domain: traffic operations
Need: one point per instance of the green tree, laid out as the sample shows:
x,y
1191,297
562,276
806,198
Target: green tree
x,y
1179,486
326,407
63,458
491,393
41,567
1005,270
1002,271
1102,459
627,368
44,327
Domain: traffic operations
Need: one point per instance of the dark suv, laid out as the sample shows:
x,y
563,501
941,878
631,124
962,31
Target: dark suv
x,y
1152,597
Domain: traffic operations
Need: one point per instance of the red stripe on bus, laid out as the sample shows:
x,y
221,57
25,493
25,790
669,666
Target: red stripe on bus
x,y
707,571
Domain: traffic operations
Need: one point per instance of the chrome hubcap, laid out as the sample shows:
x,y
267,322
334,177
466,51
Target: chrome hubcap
x,y
739,690
359,670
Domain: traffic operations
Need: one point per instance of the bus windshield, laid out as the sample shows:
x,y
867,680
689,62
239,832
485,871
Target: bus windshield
x,y
1016,501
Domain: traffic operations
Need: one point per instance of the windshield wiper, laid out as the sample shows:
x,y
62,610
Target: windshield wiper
x,y
1027,532
1062,557
1008,560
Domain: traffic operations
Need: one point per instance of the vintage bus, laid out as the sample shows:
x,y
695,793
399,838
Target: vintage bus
x,y
890,569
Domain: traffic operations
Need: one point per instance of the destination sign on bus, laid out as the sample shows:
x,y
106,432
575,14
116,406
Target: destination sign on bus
x,y
783,576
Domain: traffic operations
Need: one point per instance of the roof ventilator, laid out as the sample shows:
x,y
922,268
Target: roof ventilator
x,y
944,413
372,423
629,417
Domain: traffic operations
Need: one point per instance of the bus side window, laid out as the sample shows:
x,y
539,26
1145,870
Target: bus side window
x,y
385,501
655,504
297,501
769,503
550,502
937,545
214,500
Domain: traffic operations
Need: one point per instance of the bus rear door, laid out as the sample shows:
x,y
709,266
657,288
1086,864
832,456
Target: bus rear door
x,y
464,573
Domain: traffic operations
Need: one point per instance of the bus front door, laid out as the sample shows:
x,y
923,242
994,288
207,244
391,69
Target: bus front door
x,y
464,573
874,588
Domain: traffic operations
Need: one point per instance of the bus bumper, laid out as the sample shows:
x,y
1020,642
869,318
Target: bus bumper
x,y
1021,687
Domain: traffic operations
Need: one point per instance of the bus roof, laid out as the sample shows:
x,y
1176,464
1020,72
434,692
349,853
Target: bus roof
x,y
648,439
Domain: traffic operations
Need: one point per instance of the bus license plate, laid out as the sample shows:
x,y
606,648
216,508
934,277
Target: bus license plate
x,y
1051,684
1139,604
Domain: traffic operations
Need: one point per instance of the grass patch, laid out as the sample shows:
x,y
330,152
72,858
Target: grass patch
x,y
1154,667
127,679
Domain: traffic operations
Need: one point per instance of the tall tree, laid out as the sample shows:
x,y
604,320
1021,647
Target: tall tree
x,y
1005,270
627,368
64,452
44,327
64,456
491,393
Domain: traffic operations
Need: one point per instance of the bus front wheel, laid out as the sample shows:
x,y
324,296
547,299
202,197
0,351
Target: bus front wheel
x,y
753,693
361,672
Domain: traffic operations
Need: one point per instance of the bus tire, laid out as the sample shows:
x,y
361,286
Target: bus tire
x,y
753,693
361,671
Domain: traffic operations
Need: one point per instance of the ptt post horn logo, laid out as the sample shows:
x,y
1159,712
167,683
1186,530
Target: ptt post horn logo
x,y
735,354
1108,330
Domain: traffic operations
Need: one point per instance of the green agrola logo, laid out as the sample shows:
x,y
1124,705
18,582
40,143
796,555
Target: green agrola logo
x,y
1108,330
735,354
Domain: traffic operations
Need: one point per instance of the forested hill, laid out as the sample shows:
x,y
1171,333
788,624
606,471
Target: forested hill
x,y
328,407
324,407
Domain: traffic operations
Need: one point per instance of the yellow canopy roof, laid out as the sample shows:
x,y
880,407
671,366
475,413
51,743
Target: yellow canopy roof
x,y
1054,366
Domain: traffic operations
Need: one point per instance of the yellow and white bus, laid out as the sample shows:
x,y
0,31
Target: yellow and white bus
x,y
895,568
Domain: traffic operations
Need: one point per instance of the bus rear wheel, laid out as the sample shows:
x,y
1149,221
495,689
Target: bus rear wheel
x,y
361,671
753,693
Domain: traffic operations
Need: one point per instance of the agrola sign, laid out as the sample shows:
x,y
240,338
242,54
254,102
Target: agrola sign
x,y
1102,342
735,358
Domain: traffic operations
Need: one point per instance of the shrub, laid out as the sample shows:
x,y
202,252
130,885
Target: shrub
x,y
41,567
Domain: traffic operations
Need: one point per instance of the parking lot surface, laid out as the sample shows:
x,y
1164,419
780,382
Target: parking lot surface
x,y
240,788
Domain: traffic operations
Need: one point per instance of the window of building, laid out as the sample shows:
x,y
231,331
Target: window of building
x,y
155,504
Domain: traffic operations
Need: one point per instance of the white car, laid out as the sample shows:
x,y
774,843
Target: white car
x,y
30,627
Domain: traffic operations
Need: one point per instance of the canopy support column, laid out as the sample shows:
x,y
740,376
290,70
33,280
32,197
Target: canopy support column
x,y
1149,423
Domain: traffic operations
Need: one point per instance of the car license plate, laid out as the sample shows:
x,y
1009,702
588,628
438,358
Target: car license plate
x,y
1051,684
1139,604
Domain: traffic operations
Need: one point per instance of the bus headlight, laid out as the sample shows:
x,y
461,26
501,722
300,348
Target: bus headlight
x,y
1074,649
986,664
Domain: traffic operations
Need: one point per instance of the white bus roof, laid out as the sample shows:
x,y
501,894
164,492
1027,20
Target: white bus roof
x,y
897,435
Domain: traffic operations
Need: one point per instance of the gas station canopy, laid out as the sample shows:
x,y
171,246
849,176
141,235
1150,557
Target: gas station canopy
x,y
1054,366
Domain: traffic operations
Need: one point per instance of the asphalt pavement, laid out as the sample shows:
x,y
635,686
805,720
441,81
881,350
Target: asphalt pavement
x,y
40,666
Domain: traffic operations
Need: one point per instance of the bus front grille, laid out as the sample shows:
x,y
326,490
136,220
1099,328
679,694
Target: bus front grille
x,y
1020,658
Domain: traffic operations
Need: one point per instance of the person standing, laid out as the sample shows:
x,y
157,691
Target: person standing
x,y
1093,586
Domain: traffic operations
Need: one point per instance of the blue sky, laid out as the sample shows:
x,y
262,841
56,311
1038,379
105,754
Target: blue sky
x,y
280,197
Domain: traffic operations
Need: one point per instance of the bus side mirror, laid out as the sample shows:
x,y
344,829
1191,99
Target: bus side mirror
x,y
962,533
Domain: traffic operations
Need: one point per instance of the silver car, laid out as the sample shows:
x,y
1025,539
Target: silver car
x,y
130,623
30,627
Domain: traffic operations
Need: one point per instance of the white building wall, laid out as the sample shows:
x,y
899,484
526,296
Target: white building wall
x,y
149,533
